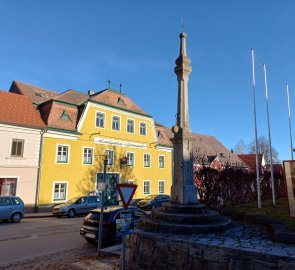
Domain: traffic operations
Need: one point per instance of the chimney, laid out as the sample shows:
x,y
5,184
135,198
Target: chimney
x,y
91,92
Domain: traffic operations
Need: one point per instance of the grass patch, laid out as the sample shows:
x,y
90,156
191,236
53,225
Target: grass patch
x,y
278,212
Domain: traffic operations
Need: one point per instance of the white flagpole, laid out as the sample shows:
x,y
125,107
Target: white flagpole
x,y
289,114
269,139
255,133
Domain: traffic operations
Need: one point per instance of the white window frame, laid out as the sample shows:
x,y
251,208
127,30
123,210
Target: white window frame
x,y
133,164
128,119
53,191
149,187
111,160
159,191
150,160
104,119
130,181
22,147
160,162
92,157
145,134
119,122
56,155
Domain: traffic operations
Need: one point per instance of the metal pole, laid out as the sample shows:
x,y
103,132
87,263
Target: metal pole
x,y
289,114
269,139
36,210
105,162
255,132
123,252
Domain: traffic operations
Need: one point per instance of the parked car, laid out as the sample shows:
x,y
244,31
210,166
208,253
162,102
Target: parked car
x,y
153,201
89,230
11,208
135,202
76,206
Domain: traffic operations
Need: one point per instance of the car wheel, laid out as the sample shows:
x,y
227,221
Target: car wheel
x,y
118,240
153,206
90,241
71,213
16,217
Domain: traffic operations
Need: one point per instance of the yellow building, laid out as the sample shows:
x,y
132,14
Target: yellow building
x,y
82,129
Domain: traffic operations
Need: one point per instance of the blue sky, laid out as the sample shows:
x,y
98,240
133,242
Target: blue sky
x,y
71,44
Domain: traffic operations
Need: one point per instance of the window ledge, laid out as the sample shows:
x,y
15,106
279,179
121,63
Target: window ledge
x,y
15,158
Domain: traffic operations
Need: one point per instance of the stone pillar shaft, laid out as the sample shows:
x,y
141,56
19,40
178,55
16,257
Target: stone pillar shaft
x,y
183,190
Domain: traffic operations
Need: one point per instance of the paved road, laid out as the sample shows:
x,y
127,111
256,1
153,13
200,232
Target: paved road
x,y
39,236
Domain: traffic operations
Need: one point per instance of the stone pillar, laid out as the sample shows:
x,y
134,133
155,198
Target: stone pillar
x,y
183,190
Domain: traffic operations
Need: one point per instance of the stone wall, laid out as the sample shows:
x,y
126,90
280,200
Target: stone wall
x,y
151,251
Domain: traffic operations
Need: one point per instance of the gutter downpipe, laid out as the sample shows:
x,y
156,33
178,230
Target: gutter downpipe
x,y
36,210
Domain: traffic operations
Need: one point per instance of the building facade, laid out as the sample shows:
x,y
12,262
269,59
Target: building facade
x,y
83,129
21,129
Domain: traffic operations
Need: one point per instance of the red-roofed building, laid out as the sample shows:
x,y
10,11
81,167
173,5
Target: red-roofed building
x,y
250,160
21,129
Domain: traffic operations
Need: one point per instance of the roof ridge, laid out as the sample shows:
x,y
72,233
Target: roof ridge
x,y
35,86
111,90
73,91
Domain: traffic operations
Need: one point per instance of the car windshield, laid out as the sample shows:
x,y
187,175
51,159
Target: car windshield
x,y
151,197
96,216
73,200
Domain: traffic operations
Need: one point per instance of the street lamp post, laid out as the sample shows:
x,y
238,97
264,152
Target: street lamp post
x,y
289,116
255,132
269,139
105,163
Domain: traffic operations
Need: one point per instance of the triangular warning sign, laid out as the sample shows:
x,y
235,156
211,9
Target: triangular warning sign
x,y
126,192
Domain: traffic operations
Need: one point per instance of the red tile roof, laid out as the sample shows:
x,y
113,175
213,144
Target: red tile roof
x,y
37,95
250,160
18,110
55,117
162,136
72,96
116,99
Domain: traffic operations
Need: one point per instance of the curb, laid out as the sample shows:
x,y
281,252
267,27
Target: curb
x,y
37,215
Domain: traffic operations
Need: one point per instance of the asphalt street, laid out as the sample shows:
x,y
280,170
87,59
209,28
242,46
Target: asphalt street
x,y
39,236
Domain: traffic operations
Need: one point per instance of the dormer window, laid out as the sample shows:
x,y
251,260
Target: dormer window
x,y
121,102
38,94
159,134
65,117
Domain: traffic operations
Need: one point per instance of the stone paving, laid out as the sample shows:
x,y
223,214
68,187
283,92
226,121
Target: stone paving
x,y
241,247
74,259
242,236
247,237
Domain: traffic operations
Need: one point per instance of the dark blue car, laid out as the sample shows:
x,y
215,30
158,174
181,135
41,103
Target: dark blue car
x,y
89,230
153,201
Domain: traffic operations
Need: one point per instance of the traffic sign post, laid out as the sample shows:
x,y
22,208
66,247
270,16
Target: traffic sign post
x,y
126,192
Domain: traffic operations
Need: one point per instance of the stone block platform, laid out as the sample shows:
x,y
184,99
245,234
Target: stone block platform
x,y
184,219
241,247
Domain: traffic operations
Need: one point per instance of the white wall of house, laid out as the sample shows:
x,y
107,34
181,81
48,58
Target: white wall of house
x,y
25,168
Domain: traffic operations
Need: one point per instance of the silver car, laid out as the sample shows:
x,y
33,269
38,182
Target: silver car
x,y
76,206
11,208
